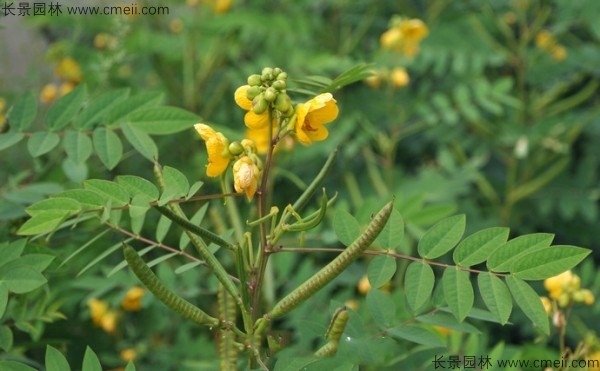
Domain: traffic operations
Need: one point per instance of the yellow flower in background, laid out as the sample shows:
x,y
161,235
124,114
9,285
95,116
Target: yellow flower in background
x,y
391,39
594,361
69,70
399,77
128,354
544,39
313,115
217,148
219,6
176,25
133,299
413,30
558,53
547,303
445,331
558,284
245,176
364,286
98,309
404,36
49,93
101,40
66,87
2,106
108,323
252,119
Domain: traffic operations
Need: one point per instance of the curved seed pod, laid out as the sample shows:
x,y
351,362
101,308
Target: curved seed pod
x,y
195,229
327,350
227,347
164,294
310,223
337,325
335,267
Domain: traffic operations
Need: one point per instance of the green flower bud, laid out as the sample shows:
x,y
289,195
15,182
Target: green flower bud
x,y
270,94
283,103
282,76
279,84
259,104
254,80
267,74
277,71
236,148
253,92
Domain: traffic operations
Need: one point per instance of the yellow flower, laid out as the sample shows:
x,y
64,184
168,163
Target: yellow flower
x,y
413,30
217,148
69,70
245,176
66,87
364,286
101,40
176,25
445,331
404,36
219,6
49,93
399,77
562,285
128,354
352,304
391,39
2,104
312,115
547,303
594,361
98,309
374,80
558,52
252,120
108,323
133,299
544,39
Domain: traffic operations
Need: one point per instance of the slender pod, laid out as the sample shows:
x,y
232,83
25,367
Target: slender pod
x,y
335,267
334,333
227,347
164,294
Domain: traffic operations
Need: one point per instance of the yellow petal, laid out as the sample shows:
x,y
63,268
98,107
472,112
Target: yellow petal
x,y
319,134
254,121
217,148
324,109
241,99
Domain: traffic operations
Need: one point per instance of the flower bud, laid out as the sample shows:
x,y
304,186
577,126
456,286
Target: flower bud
x,y
259,104
279,85
270,94
277,71
283,103
236,148
282,76
253,91
254,80
267,74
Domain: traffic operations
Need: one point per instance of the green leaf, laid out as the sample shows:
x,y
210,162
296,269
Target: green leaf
x,y
118,115
108,190
38,262
529,301
62,204
23,112
55,361
99,107
43,222
193,189
495,296
442,237
76,173
78,146
10,139
164,224
3,298
106,252
64,110
393,233
139,205
136,185
477,247
381,270
448,321
418,284
141,141
6,341
162,120
196,219
382,308
87,199
11,251
14,366
108,147
548,262
418,334
176,185
458,292
90,361
506,255
346,226
130,366
42,142
20,279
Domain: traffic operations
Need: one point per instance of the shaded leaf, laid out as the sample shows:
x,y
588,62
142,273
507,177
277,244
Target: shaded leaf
x,y
442,237
381,270
529,301
458,292
503,258
141,141
23,112
162,120
108,147
418,284
346,227
495,296
55,361
477,247
78,146
548,262
42,142
64,109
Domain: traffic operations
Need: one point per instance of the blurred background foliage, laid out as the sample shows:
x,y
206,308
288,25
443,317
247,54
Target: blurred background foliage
x,y
492,111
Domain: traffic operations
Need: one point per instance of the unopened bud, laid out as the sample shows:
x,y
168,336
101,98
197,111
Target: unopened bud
x,y
236,148
283,102
282,76
276,71
279,85
252,92
259,104
267,74
270,94
254,80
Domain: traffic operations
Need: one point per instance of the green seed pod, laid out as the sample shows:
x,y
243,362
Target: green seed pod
x,y
253,92
283,103
279,85
282,76
259,104
270,94
254,80
236,148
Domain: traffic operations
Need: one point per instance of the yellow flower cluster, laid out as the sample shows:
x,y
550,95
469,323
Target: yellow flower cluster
x,y
398,78
132,302
404,36
546,41
271,119
2,118
69,73
217,6
103,317
565,289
